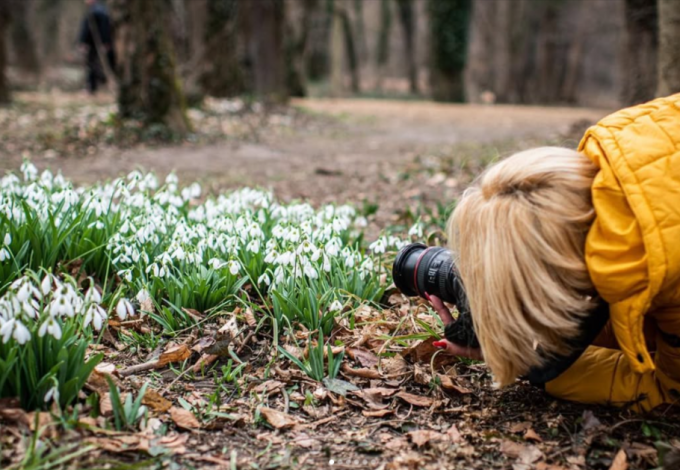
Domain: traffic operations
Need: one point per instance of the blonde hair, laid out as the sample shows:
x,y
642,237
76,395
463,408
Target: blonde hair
x,y
519,237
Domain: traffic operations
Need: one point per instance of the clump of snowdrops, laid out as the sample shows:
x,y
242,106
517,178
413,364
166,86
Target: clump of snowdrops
x,y
46,326
172,248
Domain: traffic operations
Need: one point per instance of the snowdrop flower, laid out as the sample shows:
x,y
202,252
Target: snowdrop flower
x,y
8,239
378,246
4,255
279,275
52,394
60,306
254,246
310,271
326,264
29,171
50,326
124,309
142,296
93,295
416,230
336,306
216,263
234,267
264,279
349,260
46,284
271,257
7,329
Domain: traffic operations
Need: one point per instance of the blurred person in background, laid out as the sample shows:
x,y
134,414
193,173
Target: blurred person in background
x,y
96,41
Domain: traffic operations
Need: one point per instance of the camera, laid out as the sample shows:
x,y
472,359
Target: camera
x,y
419,269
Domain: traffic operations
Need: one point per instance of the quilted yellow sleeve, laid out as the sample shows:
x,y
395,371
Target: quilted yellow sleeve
x,y
604,376
615,251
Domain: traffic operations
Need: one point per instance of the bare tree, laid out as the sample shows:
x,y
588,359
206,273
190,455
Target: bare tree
x,y
407,18
669,48
222,75
148,87
4,25
640,51
25,54
266,27
449,22
383,53
297,42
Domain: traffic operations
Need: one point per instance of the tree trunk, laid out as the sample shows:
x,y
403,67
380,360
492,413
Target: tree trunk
x,y
640,51
23,43
148,87
449,23
267,49
383,53
222,75
408,24
350,47
479,67
361,30
669,48
296,48
336,53
4,24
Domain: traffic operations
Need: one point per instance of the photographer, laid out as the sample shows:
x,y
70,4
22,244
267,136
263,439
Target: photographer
x,y
571,264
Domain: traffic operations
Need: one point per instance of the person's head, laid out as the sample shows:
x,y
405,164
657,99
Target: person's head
x,y
518,235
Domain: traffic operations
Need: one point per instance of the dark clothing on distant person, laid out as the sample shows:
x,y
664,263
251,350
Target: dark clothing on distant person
x,y
98,16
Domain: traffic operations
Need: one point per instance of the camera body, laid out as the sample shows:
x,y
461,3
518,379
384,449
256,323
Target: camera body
x,y
419,269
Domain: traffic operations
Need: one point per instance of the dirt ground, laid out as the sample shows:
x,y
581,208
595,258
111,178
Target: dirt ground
x,y
397,155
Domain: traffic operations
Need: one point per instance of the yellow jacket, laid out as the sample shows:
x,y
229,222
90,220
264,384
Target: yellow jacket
x,y
633,256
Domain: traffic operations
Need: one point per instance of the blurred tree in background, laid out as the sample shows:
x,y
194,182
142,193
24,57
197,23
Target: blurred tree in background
x,y
148,86
4,26
449,24
574,52
669,47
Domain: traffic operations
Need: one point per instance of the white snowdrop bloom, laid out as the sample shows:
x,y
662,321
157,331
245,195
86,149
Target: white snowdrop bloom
x,y
316,254
50,326
171,179
52,394
179,253
46,284
255,231
338,225
333,247
21,333
142,296
367,265
310,271
293,235
93,295
30,308
29,171
279,275
349,260
254,246
124,309
61,306
378,246
416,230
7,329
361,222
4,255
307,246
186,194
278,232
336,306
7,239
326,264
216,263
264,279
234,267
271,256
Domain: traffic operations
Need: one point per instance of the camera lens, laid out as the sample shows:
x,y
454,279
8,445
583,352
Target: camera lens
x,y
419,269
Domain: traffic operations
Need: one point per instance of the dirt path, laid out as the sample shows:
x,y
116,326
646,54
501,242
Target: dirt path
x,y
365,135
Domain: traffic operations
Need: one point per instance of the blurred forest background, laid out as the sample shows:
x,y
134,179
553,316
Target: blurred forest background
x,y
170,53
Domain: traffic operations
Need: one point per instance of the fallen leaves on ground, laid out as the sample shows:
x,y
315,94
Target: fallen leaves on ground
x,y
184,419
278,419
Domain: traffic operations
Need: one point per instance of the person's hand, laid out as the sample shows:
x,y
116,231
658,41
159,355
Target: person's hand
x,y
451,348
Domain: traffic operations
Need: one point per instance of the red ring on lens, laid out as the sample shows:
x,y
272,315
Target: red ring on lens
x,y
415,271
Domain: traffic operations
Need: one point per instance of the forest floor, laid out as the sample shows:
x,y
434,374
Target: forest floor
x,y
396,161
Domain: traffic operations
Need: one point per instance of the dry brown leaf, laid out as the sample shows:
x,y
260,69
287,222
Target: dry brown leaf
x,y
97,382
620,462
422,352
524,453
250,318
365,373
377,413
184,419
415,400
520,427
394,366
278,419
304,441
423,436
203,343
531,435
174,354
105,404
545,466
14,415
155,401
421,376
374,397
454,434
269,386
195,314
363,356
449,385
